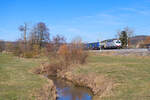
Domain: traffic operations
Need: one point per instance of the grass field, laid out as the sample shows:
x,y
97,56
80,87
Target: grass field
x,y
16,78
131,74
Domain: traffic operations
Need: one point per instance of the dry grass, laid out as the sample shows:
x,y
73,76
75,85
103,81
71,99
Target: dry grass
x,y
130,73
16,79
47,92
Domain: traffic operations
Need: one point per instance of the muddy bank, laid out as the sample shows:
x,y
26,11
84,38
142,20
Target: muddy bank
x,y
99,85
47,92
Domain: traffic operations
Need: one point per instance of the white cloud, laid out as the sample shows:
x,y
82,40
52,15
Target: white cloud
x,y
138,11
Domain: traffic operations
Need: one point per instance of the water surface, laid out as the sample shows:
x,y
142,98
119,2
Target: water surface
x,y
67,91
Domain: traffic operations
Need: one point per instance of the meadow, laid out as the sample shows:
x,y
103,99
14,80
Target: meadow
x,y
17,81
131,74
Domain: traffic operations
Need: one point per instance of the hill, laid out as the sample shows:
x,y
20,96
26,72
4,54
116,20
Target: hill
x,y
136,39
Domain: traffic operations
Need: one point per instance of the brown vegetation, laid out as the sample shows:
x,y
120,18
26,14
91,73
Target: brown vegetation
x,y
47,92
65,57
98,84
147,41
2,45
143,44
31,44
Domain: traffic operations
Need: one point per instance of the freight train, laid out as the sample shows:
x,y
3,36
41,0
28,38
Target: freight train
x,y
106,44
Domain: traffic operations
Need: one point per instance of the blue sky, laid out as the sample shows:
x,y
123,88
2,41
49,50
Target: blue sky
x,y
92,20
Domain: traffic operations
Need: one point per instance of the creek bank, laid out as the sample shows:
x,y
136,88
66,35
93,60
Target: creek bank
x,y
47,92
66,90
99,85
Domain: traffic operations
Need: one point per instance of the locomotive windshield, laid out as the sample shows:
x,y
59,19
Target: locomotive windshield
x,y
118,41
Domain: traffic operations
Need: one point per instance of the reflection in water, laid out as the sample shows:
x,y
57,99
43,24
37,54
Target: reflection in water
x,y
66,91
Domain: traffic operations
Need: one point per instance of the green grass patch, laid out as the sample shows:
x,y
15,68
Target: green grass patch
x,y
131,73
16,79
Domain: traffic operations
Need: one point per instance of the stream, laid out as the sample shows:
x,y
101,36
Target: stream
x,y
67,91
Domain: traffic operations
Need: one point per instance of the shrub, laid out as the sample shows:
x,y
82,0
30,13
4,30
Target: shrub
x,y
9,47
28,54
35,50
72,54
65,57
2,45
43,52
50,51
17,51
78,55
64,54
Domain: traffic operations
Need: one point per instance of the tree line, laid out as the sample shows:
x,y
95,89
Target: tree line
x,y
36,39
33,41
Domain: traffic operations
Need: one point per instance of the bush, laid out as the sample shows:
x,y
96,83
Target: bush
x,y
78,55
43,52
28,54
2,45
35,50
9,47
64,55
50,51
73,54
17,51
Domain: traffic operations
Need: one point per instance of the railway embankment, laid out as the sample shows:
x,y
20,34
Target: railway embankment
x,y
124,52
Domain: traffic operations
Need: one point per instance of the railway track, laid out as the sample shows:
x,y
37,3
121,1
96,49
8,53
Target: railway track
x,y
123,50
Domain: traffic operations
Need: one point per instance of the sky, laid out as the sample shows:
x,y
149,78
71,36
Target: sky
x,y
92,20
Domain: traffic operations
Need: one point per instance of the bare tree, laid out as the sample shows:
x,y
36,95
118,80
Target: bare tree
x,y
130,32
23,28
2,45
39,34
58,41
43,33
33,36
118,33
